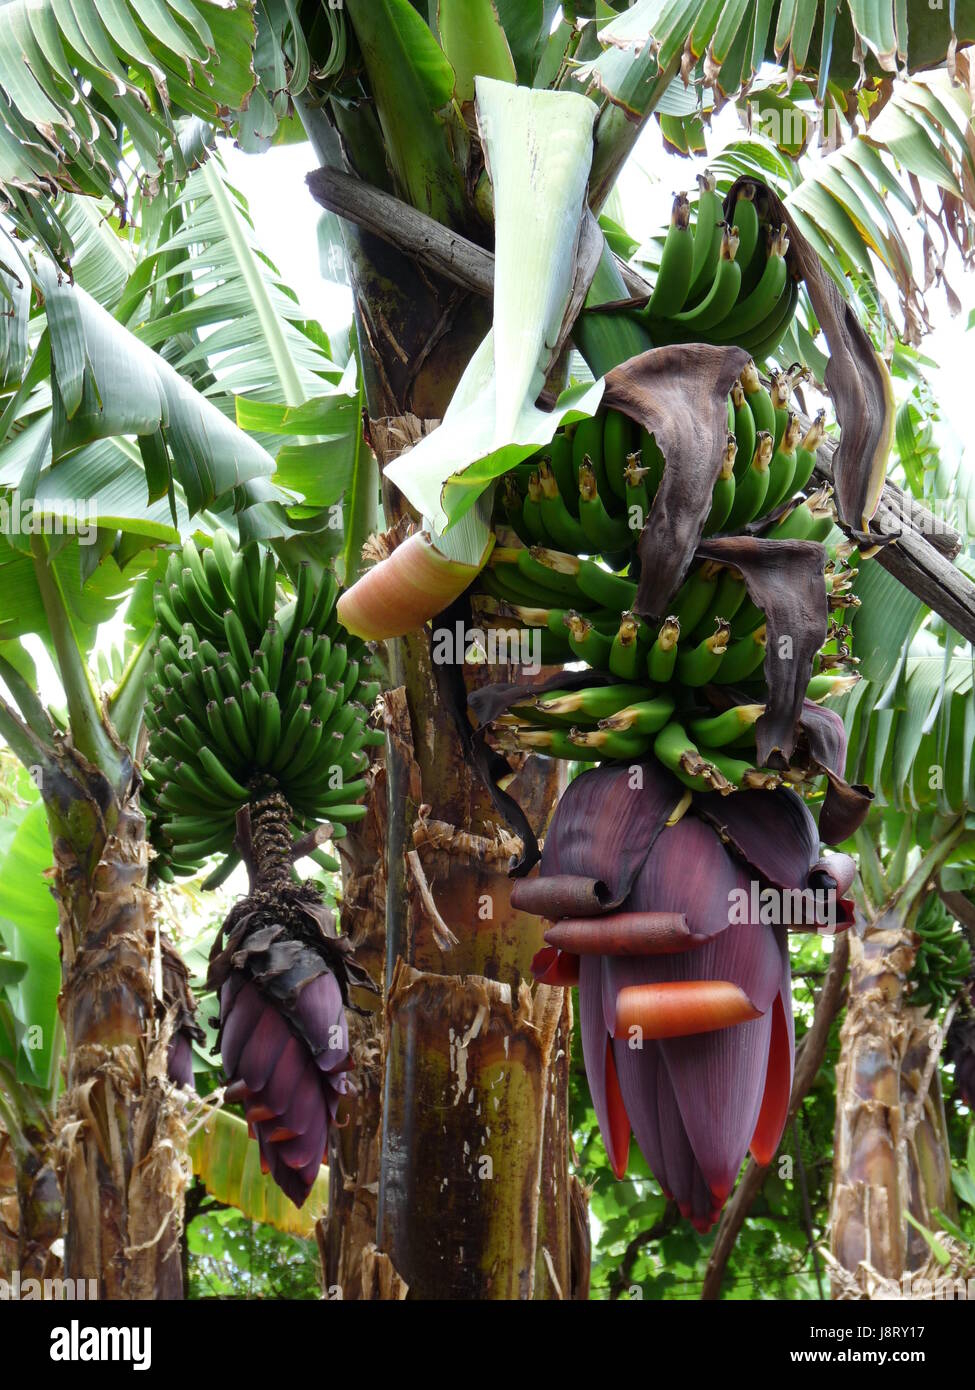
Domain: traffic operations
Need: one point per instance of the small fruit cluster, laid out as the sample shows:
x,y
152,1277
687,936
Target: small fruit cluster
x,y
248,695
727,281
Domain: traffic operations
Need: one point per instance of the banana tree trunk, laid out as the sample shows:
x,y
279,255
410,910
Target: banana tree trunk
x,y
121,1140
473,1185
349,1227
891,1147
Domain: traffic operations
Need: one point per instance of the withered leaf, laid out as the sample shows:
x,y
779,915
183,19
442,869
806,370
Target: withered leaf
x,y
785,578
679,394
855,377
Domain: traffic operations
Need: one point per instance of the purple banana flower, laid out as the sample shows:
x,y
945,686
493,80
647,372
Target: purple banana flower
x,y
671,910
284,1043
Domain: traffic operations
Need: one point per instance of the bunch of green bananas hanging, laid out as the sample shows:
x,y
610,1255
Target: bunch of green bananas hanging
x,y
943,959
714,636
251,693
590,490
725,281
545,577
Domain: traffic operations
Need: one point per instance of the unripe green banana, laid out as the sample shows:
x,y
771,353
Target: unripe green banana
x,y
766,338
236,726
662,656
755,310
718,302
587,443
596,584
642,717
514,510
637,496
618,432
559,456
228,745
531,512
652,458
718,730
740,773
586,641
742,658
752,487
589,704
744,428
674,747
676,264
220,777
601,532
806,451
693,598
826,686
723,492
699,665
707,236
610,743
745,218
561,583
554,743
758,399
294,730
504,583
567,533
782,469
627,654
781,394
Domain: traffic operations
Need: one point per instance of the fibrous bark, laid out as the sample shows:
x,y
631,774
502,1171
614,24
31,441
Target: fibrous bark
x,y
890,1152
121,1139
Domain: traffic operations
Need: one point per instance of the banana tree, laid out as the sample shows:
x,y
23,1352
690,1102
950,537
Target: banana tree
x,y
121,454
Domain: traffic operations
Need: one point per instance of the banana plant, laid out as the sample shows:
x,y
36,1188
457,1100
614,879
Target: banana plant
x,y
122,454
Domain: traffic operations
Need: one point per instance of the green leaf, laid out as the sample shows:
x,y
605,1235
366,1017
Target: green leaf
x,y
474,43
408,73
939,1252
227,1162
62,69
105,383
538,147
235,312
28,929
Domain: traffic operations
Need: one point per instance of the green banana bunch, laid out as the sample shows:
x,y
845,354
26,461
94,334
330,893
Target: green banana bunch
x,y
943,959
725,283
250,692
573,589
715,637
